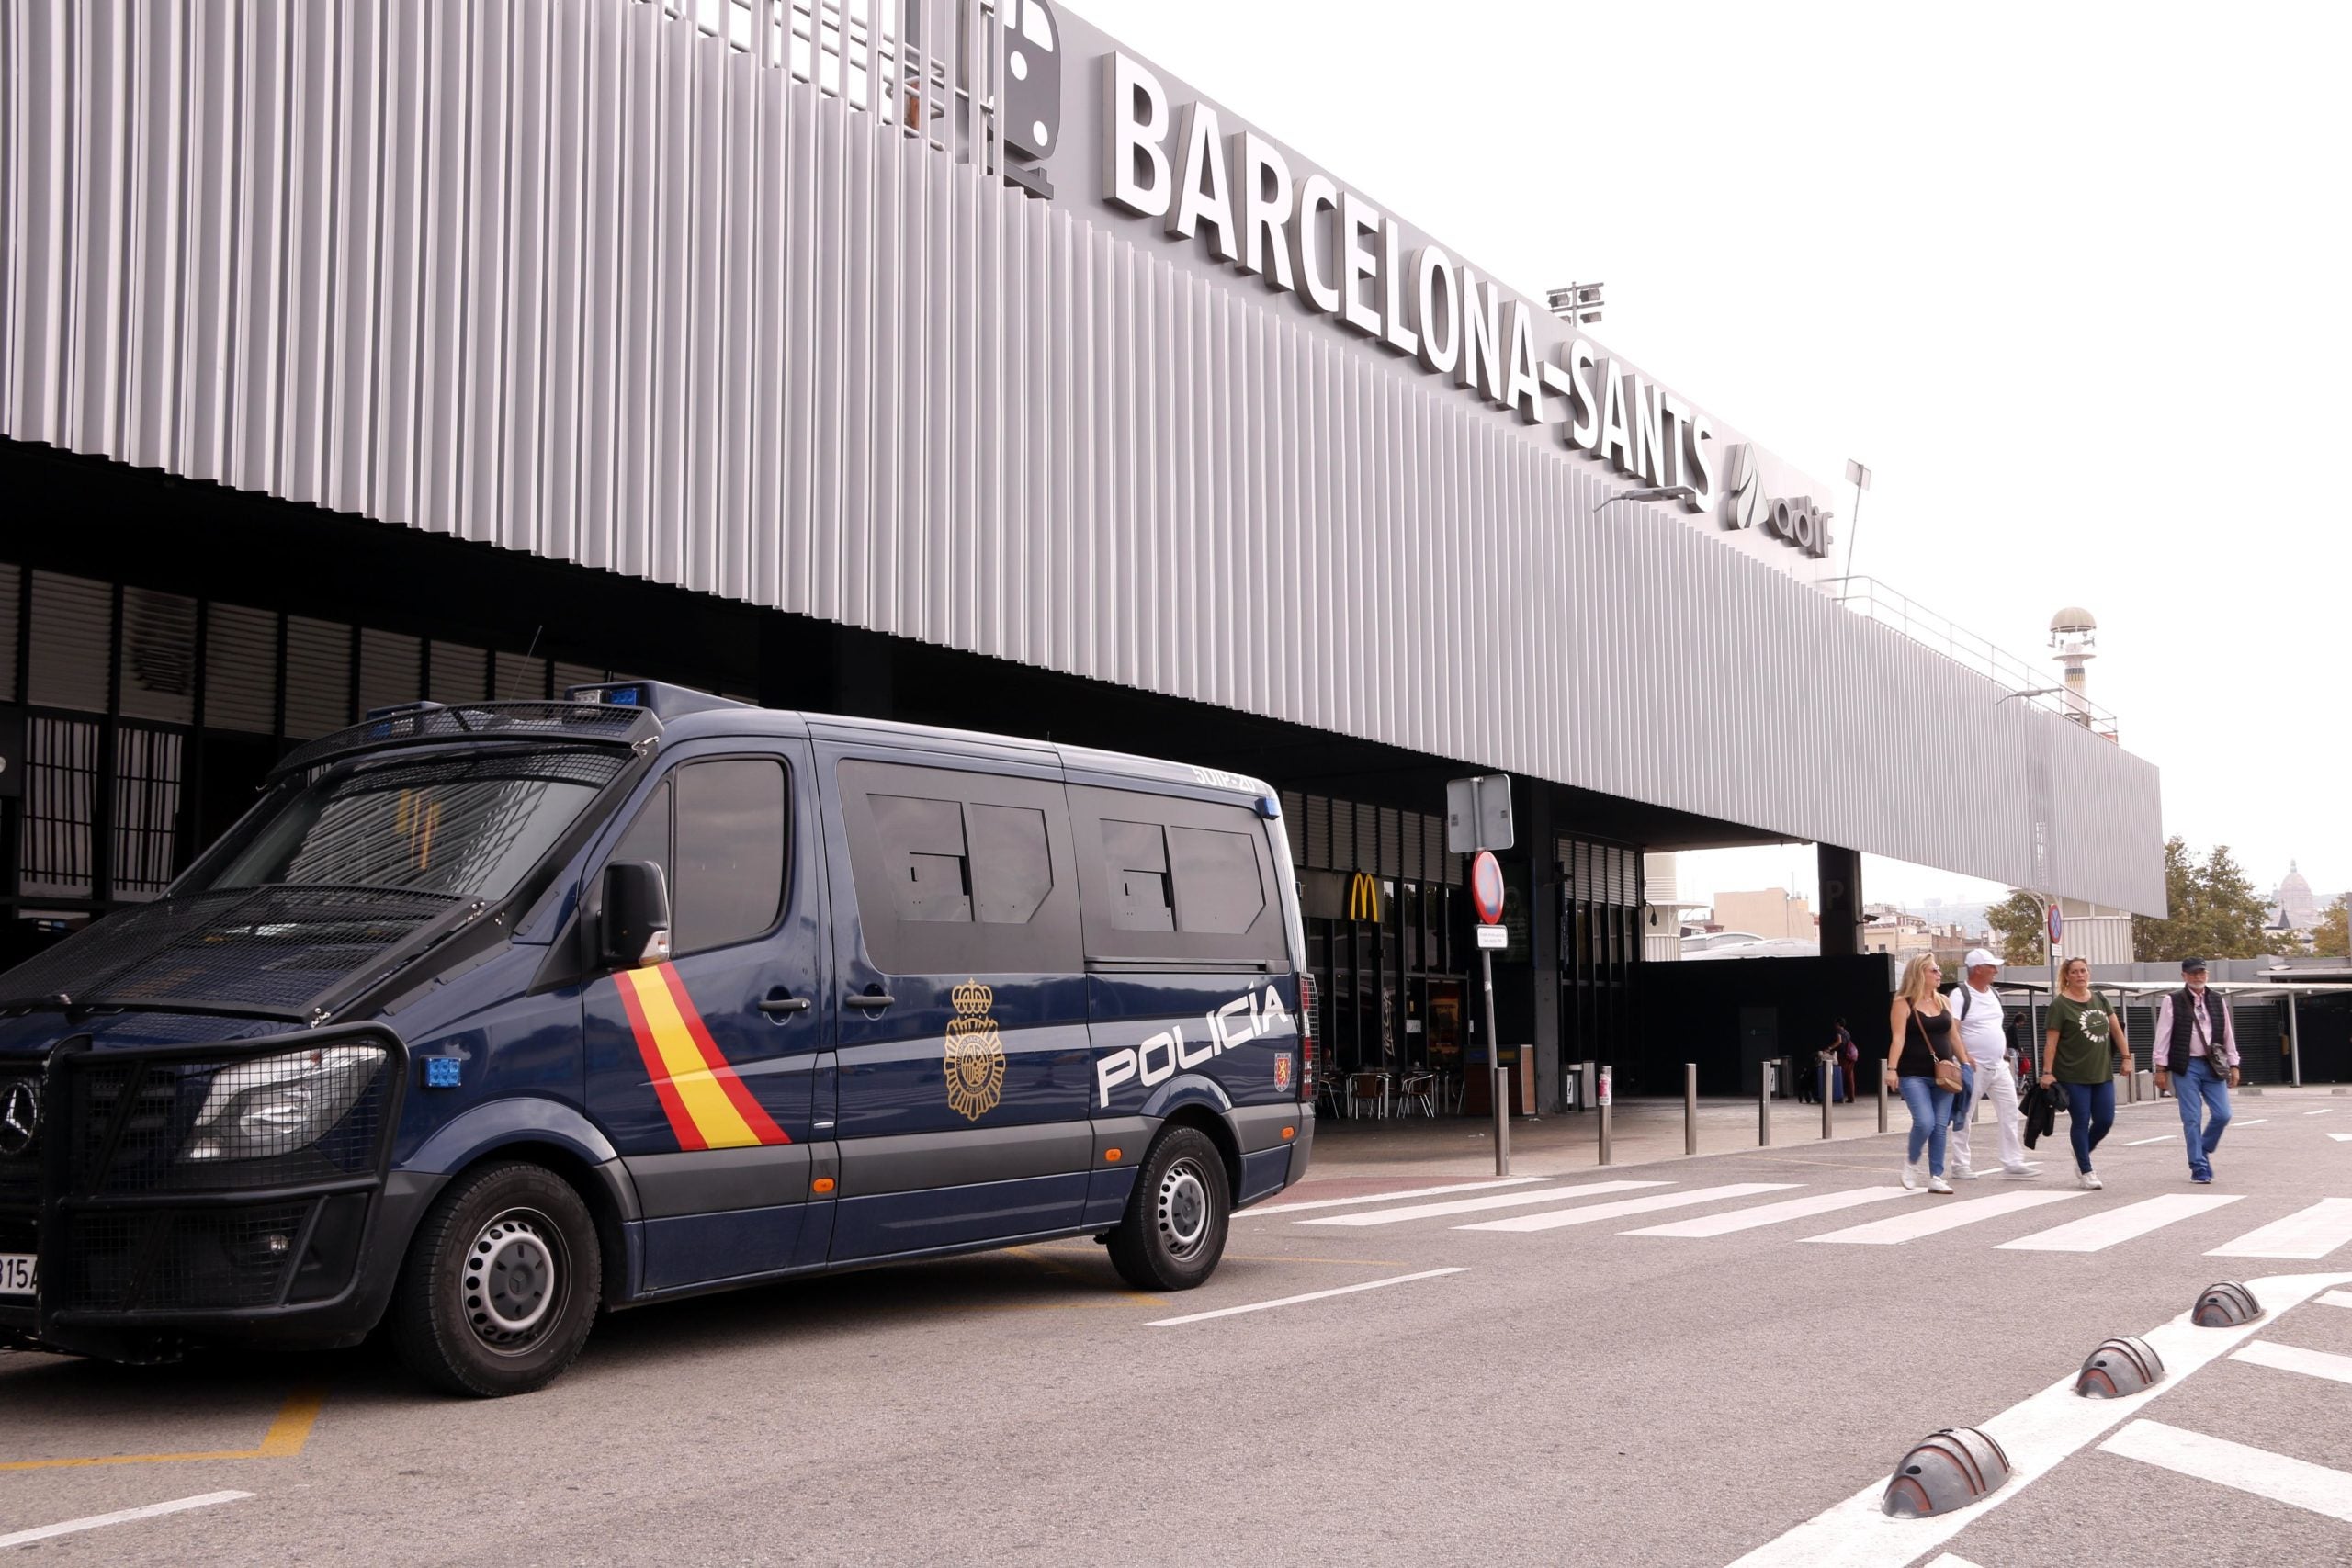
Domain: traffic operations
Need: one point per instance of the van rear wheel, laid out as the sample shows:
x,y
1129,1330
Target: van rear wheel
x,y
501,1284
1173,1231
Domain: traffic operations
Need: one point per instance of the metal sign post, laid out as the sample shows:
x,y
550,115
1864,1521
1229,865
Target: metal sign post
x,y
1607,1094
1487,899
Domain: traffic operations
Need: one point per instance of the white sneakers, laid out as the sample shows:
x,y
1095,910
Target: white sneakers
x,y
2089,1181
2025,1167
1938,1184
1910,1178
1963,1173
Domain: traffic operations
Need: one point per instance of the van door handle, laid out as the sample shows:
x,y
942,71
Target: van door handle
x,y
869,1002
777,1005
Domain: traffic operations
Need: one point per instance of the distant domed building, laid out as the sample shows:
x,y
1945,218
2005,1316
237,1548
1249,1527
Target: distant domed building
x,y
2298,910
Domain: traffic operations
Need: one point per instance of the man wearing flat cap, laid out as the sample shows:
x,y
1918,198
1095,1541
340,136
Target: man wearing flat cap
x,y
2197,1051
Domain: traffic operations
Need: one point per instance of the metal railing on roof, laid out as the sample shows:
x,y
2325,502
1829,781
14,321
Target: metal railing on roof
x,y
1874,601
925,54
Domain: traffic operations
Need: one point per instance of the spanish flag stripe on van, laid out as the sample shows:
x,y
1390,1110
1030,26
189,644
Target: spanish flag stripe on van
x,y
739,1093
656,1071
699,1093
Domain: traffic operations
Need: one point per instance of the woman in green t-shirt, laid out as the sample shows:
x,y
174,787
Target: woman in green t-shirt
x,y
2077,1057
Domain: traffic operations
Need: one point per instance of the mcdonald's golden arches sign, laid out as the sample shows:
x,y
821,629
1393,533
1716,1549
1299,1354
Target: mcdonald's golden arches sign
x,y
1363,898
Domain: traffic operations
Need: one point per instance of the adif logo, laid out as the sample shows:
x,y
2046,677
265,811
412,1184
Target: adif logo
x,y
1246,1017
1798,522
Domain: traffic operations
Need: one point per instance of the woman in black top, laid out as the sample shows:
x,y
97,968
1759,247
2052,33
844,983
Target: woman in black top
x,y
1921,1034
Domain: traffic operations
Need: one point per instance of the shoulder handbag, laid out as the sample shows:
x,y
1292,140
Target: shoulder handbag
x,y
1947,1067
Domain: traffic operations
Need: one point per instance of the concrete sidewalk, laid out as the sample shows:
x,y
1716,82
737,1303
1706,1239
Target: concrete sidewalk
x,y
1644,1131
1649,1130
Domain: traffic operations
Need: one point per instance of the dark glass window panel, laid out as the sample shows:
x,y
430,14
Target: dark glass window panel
x,y
729,847
923,841
1137,856
1218,891
1012,864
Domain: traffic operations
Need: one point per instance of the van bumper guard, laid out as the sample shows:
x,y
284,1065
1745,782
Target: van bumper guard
x,y
164,1216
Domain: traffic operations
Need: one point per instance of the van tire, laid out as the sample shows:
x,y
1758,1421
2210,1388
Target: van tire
x,y
500,1285
1173,1231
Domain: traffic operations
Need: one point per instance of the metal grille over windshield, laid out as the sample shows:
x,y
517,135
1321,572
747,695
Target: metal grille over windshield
x,y
464,827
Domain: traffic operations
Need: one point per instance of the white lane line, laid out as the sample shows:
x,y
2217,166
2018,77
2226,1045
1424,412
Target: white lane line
x,y
1472,1205
1941,1217
2342,1137
2295,1358
2276,1476
2168,1138
1771,1213
120,1516
1310,1296
2038,1433
2310,1233
2255,1123
2097,1233
2336,1299
1389,1197
2328,1110
1951,1560
1552,1222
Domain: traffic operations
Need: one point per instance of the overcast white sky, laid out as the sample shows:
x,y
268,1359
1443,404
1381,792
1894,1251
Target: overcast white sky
x,y
2071,279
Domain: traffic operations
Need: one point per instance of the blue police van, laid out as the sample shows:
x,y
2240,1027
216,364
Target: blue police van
x,y
489,1017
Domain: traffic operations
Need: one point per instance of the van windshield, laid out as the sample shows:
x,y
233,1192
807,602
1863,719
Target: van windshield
x,y
465,827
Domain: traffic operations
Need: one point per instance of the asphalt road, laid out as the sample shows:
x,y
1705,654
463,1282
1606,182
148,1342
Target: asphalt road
x,y
1570,1394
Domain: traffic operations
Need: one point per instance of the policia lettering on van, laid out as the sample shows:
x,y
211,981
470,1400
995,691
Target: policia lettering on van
x,y
487,1017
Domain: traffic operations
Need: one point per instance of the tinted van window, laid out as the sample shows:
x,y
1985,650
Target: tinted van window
x,y
1176,880
718,831
961,871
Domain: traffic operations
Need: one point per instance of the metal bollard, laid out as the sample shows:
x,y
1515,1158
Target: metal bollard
x,y
1608,1110
1689,1108
1764,1105
1881,1098
1828,1094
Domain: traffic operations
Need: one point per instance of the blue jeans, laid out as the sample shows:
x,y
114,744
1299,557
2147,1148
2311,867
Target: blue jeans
x,y
2204,1099
1967,1093
2090,1111
1930,1119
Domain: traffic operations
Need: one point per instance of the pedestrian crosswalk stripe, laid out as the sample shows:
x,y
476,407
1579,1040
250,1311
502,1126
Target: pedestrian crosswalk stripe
x,y
2311,1232
1470,1205
2255,1123
2342,1137
1772,1213
1554,1221
2336,1299
2280,1477
2097,1233
1487,1185
1931,1217
2143,1143
2295,1358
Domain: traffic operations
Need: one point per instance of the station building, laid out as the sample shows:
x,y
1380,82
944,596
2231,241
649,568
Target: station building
x,y
931,360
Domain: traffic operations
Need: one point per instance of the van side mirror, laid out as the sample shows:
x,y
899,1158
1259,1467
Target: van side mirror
x,y
636,922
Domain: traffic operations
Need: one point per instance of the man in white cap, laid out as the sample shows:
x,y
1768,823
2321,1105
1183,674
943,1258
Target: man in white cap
x,y
1985,1039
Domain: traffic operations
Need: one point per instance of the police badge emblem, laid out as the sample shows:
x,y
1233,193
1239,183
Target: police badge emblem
x,y
1282,1072
974,1059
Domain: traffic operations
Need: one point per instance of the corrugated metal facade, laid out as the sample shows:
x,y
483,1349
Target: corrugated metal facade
x,y
576,279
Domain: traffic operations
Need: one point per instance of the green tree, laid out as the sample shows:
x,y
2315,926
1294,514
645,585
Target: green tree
x,y
2333,938
2017,930
2213,911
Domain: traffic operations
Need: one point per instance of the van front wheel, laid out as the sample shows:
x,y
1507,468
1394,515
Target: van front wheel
x,y
501,1284
1173,1231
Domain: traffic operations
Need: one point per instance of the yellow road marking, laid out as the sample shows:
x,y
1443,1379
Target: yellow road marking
x,y
284,1439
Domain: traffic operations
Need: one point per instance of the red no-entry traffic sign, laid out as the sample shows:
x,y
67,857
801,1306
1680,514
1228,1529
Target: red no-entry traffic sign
x,y
1486,887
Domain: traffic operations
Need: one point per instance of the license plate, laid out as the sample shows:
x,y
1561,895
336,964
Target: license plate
x,y
20,1272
